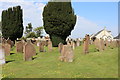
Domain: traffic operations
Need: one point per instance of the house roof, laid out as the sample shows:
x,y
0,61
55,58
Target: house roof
x,y
100,32
117,37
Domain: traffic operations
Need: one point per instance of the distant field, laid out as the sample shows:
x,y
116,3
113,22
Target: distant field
x,y
46,65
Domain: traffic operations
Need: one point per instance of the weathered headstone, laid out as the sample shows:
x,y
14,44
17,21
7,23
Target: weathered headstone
x,y
68,42
7,48
86,44
38,43
96,43
111,44
3,41
73,45
49,45
77,43
9,42
102,45
66,54
29,51
41,46
19,46
106,44
60,45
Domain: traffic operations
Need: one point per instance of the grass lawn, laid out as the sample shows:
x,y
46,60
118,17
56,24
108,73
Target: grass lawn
x,y
46,65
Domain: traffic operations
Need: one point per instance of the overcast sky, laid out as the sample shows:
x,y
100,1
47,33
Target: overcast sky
x,y
91,16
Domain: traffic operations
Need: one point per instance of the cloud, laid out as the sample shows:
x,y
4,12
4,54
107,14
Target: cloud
x,y
84,26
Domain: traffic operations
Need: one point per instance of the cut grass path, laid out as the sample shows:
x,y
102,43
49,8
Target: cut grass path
x,y
46,65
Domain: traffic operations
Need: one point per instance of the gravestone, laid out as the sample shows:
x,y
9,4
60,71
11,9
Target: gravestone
x,y
38,43
12,43
68,42
60,45
66,54
106,44
41,46
73,45
29,51
49,45
86,44
7,48
102,45
19,46
111,44
77,43
96,43
2,55
3,41
9,42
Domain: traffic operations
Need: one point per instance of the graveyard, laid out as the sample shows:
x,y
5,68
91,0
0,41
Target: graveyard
x,y
55,40
46,64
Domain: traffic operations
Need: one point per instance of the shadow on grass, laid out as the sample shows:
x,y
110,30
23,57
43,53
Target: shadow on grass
x,y
34,58
12,53
10,61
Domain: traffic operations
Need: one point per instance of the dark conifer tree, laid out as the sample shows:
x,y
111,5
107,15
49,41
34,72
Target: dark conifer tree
x,y
12,23
59,20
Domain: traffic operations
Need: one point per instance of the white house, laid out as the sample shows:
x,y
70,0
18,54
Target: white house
x,y
104,34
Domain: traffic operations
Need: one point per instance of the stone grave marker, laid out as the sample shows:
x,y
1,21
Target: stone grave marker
x,y
77,43
60,45
29,51
73,45
86,44
41,46
19,46
7,48
49,45
66,54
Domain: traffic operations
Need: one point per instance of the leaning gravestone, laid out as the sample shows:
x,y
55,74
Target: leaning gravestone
x,y
86,44
73,45
49,45
7,48
29,51
41,46
66,54
60,45
2,55
19,46
9,42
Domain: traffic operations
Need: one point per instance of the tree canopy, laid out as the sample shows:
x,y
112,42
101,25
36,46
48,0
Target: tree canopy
x,y
12,23
59,20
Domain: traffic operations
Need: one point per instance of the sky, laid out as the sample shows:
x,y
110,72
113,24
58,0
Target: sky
x,y
91,16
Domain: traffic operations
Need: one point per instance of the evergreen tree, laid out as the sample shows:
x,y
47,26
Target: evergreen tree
x,y
59,20
38,31
28,28
12,23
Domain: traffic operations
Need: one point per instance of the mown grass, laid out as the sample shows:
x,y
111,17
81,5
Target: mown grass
x,y
46,65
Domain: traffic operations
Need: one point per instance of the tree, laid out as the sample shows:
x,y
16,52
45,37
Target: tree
x,y
12,23
31,35
59,20
38,31
28,28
